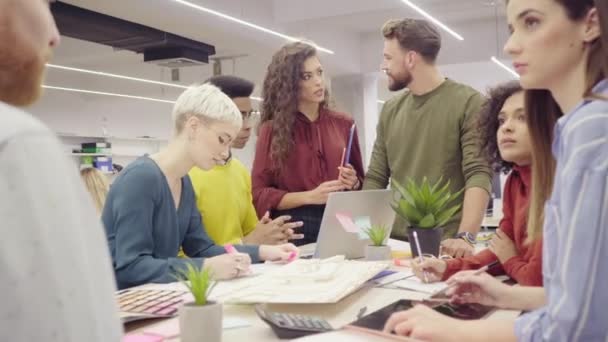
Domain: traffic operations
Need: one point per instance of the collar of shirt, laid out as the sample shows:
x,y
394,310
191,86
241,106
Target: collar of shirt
x,y
524,173
600,88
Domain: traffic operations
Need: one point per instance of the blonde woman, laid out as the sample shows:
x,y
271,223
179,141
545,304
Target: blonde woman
x,y
151,209
97,184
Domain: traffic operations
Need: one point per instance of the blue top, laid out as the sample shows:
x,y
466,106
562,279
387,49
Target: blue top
x,y
145,231
575,255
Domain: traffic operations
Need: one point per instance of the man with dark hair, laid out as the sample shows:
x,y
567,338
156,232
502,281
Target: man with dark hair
x,y
57,281
223,194
239,90
429,131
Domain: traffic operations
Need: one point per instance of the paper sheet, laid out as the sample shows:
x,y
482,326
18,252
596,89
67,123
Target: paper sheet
x,y
302,281
415,284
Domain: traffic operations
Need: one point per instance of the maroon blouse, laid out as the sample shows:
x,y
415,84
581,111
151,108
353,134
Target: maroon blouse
x,y
316,155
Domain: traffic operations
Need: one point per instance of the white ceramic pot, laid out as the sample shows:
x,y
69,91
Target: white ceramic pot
x,y
376,253
199,323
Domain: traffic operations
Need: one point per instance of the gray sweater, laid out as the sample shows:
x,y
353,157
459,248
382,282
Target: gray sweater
x,y
56,280
145,231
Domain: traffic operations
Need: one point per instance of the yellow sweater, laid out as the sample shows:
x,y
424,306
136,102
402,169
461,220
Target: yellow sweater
x,y
223,197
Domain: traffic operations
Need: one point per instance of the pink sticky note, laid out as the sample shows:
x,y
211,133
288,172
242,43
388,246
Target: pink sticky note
x,y
142,338
166,329
347,223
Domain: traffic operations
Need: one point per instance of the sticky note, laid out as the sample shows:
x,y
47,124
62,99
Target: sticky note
x,y
347,223
142,338
166,329
363,223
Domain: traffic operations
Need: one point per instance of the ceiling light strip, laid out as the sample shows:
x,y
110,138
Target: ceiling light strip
x,y
123,77
432,19
107,74
107,94
246,23
504,66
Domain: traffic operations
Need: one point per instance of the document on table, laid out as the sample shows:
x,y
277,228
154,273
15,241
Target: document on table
x,y
302,281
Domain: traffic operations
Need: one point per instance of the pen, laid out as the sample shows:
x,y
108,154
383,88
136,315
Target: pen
x,y
349,146
420,258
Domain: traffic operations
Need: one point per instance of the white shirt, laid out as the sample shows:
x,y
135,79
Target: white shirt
x,y
56,281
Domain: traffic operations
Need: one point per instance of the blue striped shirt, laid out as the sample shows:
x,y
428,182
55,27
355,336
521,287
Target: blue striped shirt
x,y
575,255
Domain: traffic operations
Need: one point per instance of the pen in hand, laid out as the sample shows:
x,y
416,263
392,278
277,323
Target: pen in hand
x,y
420,258
477,272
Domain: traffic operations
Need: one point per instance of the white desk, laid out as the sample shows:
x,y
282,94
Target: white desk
x,y
337,315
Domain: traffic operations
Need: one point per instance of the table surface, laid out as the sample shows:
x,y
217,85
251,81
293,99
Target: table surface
x,y
339,314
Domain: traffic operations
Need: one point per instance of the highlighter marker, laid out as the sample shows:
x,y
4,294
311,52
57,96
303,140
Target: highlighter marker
x,y
230,249
292,256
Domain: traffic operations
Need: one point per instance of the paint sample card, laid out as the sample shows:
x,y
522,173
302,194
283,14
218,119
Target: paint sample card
x,y
347,222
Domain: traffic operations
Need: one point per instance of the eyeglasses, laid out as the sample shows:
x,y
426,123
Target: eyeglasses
x,y
247,114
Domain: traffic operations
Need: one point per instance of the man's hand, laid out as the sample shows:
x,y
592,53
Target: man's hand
x,y
274,232
457,248
502,246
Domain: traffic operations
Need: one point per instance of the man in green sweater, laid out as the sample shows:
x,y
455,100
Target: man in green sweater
x,y
429,130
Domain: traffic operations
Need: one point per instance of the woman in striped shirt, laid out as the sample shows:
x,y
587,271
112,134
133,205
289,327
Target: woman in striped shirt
x,y
560,49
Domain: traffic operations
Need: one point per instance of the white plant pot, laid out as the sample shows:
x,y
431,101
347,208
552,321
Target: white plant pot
x,y
375,253
199,323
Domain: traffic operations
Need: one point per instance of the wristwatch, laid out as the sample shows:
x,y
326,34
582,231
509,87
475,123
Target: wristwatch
x,y
466,236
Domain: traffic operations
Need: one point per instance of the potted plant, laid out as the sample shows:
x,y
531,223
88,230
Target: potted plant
x,y
426,208
378,250
200,320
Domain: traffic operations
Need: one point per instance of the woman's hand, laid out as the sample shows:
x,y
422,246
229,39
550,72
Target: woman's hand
x,y
282,253
228,266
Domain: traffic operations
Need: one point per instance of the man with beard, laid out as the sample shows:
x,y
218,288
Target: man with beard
x,y
57,282
429,131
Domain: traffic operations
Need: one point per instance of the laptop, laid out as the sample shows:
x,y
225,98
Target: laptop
x,y
365,208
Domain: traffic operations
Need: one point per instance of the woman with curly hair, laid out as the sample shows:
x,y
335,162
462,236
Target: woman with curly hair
x,y
301,143
507,145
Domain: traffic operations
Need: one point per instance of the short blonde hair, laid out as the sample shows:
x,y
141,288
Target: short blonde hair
x,y
207,102
97,184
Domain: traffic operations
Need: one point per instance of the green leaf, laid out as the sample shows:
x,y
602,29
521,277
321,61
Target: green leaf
x,y
437,184
426,194
438,206
377,234
418,197
403,192
197,280
412,213
445,216
439,193
427,222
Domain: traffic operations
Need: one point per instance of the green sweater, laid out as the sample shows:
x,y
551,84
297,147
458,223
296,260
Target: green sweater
x,y
431,135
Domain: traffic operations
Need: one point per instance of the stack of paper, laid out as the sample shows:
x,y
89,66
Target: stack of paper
x,y
302,281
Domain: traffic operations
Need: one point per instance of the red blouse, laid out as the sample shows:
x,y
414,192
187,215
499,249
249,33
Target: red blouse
x,y
526,267
314,159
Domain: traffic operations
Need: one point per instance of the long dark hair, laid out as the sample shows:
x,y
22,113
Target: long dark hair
x,y
542,112
280,93
488,123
